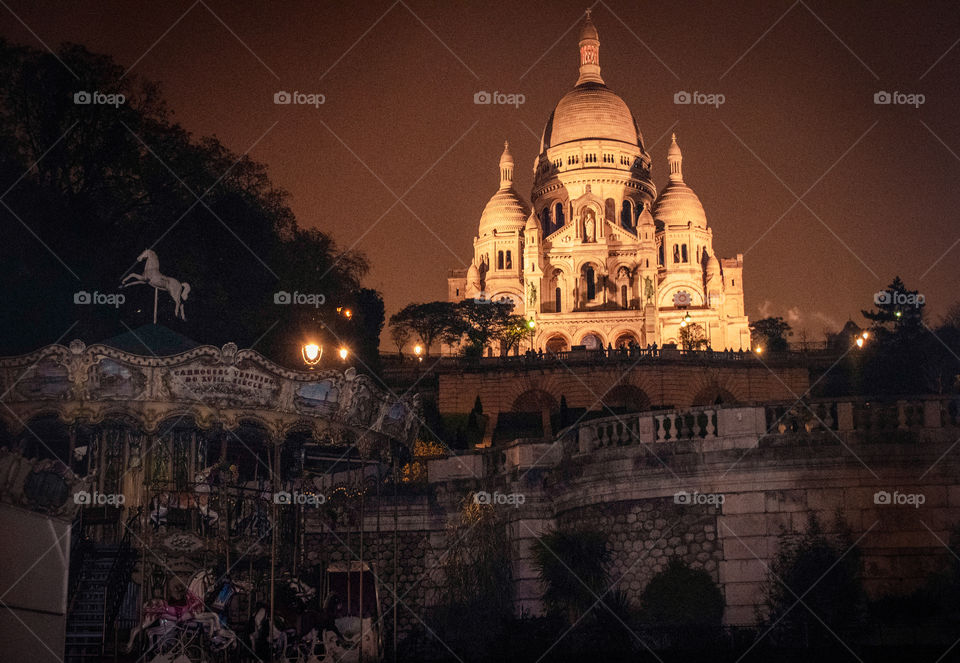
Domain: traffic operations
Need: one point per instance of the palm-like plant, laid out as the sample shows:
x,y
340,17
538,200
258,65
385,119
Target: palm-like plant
x,y
572,565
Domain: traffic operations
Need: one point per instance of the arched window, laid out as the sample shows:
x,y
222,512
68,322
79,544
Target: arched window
x,y
659,255
499,259
557,299
591,284
558,214
676,254
626,215
683,253
623,297
509,260
610,208
545,220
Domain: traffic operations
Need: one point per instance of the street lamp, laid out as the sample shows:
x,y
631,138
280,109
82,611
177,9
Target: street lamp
x,y
685,321
418,350
343,354
311,353
759,350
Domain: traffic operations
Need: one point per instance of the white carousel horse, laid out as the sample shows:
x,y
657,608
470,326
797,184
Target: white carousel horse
x,y
152,276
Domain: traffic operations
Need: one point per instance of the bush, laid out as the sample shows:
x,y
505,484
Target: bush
x,y
823,570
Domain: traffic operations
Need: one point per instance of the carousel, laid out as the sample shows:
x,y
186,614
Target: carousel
x,y
190,476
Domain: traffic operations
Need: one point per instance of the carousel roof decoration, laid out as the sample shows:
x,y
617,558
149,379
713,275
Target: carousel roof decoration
x,y
224,387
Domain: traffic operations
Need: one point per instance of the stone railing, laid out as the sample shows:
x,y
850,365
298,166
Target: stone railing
x,y
727,424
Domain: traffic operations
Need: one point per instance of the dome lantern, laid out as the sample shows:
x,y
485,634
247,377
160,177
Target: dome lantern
x,y
589,53
506,167
675,160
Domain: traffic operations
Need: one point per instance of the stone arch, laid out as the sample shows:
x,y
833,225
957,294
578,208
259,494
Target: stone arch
x,y
627,398
556,342
714,394
535,400
592,340
622,338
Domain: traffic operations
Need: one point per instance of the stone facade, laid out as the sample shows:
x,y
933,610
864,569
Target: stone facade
x,y
597,257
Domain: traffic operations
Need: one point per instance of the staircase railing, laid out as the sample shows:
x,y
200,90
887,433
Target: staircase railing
x,y
79,548
119,577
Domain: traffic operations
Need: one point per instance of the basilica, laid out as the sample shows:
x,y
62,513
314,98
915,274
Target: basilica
x,y
597,258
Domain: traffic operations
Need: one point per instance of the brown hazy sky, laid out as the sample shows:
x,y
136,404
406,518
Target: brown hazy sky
x,y
399,120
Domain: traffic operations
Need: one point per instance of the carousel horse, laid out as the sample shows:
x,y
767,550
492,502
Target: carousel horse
x,y
180,609
191,609
152,276
295,623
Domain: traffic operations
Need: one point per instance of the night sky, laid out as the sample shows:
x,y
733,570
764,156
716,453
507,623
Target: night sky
x,y
878,183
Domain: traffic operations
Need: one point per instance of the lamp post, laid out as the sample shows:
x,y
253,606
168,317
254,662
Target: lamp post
x,y
418,350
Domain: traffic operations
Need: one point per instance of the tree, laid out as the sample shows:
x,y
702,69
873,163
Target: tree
x,y
898,310
824,569
400,334
90,186
483,322
769,333
431,322
514,332
693,337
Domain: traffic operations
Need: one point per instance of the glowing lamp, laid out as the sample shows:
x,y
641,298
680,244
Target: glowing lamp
x,y
860,342
759,350
311,353
417,350
343,354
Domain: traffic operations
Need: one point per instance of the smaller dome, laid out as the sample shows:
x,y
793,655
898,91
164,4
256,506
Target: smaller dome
x,y
506,211
713,268
532,224
473,273
677,204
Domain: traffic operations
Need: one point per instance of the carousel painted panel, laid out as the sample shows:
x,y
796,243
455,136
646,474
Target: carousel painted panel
x,y
226,386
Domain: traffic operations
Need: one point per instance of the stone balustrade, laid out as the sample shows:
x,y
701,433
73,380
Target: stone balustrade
x,y
734,426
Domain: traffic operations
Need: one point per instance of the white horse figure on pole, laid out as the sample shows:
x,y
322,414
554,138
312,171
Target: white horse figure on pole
x,y
152,276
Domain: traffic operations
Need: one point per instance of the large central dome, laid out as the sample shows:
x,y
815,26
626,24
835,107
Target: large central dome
x,y
591,110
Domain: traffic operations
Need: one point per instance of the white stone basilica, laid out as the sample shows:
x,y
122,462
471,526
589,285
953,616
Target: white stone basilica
x,y
599,258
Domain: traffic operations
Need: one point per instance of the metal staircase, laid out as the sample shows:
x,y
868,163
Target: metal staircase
x,y
97,590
